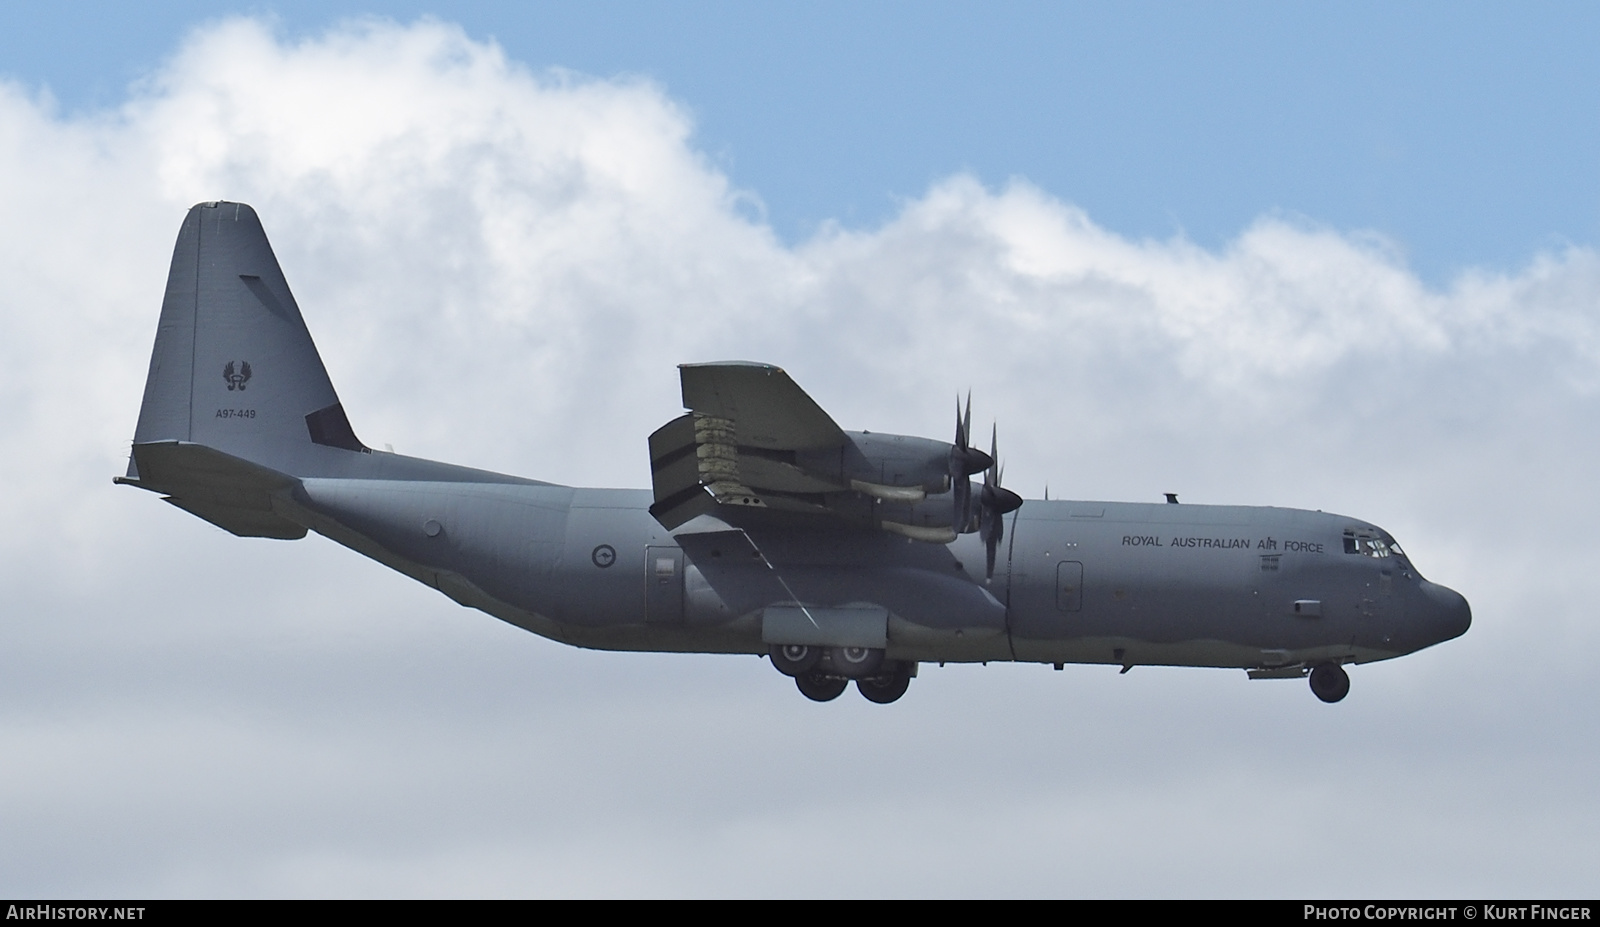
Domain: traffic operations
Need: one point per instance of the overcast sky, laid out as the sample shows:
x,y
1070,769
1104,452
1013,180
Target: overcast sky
x,y
1333,257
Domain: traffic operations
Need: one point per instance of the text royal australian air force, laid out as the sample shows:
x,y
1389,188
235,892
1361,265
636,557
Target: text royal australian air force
x,y
1225,543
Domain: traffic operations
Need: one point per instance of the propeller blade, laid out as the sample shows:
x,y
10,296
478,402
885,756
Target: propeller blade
x,y
965,460
994,457
995,502
962,512
966,421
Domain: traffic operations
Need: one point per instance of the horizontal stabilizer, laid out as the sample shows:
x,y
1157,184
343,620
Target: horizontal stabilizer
x,y
231,493
242,522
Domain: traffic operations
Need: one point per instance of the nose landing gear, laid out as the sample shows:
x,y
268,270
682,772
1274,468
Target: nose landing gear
x,y
1330,682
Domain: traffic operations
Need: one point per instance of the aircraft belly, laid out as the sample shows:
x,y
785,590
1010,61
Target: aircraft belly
x,y
933,615
499,540
926,615
738,637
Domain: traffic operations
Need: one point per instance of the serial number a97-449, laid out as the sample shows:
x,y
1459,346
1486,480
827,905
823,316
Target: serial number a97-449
x,y
236,413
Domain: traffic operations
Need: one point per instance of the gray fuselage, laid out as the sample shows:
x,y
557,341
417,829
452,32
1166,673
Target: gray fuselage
x,y
1078,582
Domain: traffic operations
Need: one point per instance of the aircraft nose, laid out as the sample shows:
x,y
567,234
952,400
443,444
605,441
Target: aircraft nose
x,y
1448,614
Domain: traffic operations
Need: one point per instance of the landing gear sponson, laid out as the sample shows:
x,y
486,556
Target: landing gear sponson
x,y
823,673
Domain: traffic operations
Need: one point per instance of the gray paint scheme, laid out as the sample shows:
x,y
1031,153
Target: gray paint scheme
x,y
241,426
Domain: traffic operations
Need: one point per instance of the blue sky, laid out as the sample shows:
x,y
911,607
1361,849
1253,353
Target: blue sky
x,y
1465,132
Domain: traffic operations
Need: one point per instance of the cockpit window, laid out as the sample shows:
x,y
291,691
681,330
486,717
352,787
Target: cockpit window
x,y
1368,544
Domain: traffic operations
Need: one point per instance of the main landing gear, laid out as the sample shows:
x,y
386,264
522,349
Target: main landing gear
x,y
1330,682
823,673
886,687
820,687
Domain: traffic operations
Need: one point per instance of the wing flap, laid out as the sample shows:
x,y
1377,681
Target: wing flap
x,y
754,449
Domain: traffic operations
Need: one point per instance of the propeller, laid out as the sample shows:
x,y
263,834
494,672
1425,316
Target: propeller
x,y
995,503
965,460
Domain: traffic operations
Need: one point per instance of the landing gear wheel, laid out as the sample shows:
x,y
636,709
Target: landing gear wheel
x,y
885,688
795,659
856,662
1330,682
820,687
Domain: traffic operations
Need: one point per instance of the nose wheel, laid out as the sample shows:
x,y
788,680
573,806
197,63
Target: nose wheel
x,y
1330,682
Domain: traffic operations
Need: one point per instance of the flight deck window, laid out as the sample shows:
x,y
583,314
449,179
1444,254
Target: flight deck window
x,y
1367,544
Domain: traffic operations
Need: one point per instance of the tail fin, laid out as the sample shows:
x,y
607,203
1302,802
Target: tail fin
x,y
238,406
237,402
234,367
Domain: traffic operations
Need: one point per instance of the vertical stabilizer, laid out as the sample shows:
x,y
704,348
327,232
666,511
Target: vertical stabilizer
x,y
234,368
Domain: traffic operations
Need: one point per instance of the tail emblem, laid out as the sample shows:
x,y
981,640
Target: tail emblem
x,y
236,381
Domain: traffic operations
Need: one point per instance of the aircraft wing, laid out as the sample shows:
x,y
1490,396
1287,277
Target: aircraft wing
x,y
760,403
737,453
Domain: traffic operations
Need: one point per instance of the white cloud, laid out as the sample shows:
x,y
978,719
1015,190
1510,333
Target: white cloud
x,y
502,268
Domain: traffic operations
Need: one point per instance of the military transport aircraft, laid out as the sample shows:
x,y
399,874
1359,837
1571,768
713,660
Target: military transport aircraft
x,y
842,556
